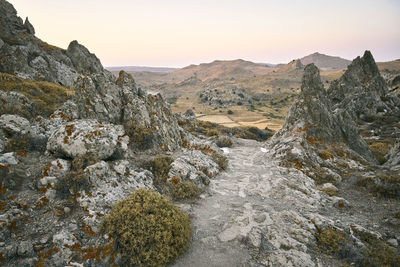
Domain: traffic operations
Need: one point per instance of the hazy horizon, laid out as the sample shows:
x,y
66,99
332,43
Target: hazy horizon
x,y
179,33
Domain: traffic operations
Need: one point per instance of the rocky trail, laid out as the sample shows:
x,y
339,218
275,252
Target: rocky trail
x,y
236,209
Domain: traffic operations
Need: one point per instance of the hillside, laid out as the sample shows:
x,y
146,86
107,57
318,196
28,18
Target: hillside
x,y
141,68
325,61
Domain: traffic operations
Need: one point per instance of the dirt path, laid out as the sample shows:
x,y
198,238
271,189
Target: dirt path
x,y
217,241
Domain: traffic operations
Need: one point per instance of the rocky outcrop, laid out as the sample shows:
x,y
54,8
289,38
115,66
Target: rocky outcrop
x,y
121,102
361,89
24,55
316,138
82,137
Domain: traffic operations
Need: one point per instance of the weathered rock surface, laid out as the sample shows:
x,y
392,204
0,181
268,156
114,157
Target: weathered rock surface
x,y
317,139
14,125
82,137
361,89
121,102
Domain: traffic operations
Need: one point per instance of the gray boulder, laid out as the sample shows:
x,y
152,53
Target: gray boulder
x,y
14,125
81,137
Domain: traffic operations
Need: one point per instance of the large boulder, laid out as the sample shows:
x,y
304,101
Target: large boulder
x,y
82,137
14,125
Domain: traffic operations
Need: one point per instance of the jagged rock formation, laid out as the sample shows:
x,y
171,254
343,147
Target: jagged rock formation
x,y
315,137
26,56
362,89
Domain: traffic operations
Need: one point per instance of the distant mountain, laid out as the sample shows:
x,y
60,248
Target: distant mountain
x,y
325,61
222,69
141,68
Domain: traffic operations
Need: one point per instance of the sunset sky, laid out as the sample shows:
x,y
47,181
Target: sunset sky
x,y
177,33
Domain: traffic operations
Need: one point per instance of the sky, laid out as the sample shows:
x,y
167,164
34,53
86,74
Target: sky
x,y
177,33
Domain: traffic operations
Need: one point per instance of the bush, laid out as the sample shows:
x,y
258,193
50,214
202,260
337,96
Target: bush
x,y
160,166
379,150
148,229
20,143
224,141
330,240
183,190
326,154
221,160
385,185
139,135
230,112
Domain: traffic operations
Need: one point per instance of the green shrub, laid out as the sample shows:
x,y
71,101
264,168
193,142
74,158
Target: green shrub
x,y
160,166
139,135
149,229
183,190
230,112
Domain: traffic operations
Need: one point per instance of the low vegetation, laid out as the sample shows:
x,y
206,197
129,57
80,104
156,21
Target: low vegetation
x,y
330,240
46,96
183,190
213,129
149,229
385,185
221,160
160,166
223,141
139,135
379,150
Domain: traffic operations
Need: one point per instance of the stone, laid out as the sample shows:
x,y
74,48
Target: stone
x,y
393,242
25,248
81,137
193,166
14,124
29,26
83,61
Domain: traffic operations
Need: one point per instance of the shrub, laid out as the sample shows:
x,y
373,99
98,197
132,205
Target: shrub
x,y
183,190
378,253
329,191
221,160
330,240
230,112
386,185
20,143
160,166
148,229
224,141
140,136
379,150
326,154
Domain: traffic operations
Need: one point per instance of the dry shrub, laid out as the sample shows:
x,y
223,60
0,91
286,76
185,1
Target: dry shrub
x,y
330,240
379,150
149,229
46,96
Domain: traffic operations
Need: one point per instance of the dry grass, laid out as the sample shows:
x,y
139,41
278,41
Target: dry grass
x,y
379,150
46,96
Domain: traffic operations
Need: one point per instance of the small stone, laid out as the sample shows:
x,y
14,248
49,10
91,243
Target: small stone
x,y
25,248
67,210
259,218
393,242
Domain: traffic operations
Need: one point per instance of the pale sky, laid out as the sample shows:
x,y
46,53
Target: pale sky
x,y
177,33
